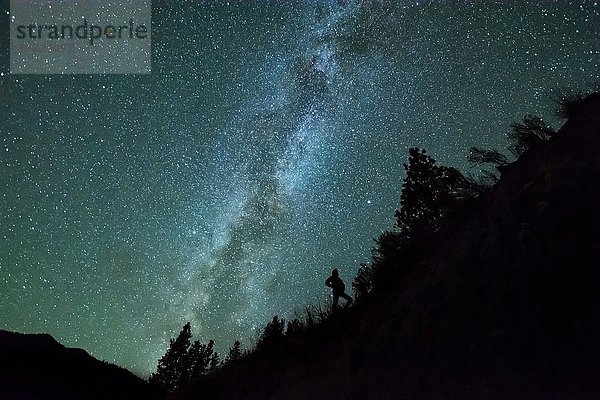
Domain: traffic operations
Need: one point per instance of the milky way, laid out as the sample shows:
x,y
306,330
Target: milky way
x,y
265,148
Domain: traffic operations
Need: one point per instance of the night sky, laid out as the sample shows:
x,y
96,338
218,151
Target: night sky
x,y
265,148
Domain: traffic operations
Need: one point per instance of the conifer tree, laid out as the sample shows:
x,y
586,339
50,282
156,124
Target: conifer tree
x,y
196,364
363,281
184,363
293,326
172,370
272,333
235,352
200,359
214,362
428,190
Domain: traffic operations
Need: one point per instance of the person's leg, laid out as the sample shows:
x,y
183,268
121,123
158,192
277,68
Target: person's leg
x,y
347,298
335,300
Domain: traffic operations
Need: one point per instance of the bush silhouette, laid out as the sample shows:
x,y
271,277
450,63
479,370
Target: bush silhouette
x,y
478,156
529,132
569,103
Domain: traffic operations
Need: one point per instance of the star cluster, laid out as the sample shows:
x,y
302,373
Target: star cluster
x,y
265,148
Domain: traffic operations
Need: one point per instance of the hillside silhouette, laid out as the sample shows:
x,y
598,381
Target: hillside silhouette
x,y
35,366
499,300
485,289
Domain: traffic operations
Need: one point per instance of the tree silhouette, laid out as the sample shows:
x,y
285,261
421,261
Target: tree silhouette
x,y
293,326
272,334
428,190
184,363
214,362
235,352
478,156
569,103
200,356
529,132
363,281
392,249
477,185
172,370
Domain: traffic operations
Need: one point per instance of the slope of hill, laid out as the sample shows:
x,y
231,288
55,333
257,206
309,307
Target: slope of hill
x,y
503,304
35,366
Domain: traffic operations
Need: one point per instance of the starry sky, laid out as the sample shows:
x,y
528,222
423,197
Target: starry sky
x,y
264,149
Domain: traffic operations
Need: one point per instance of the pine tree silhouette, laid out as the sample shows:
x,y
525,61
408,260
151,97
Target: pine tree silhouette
x,y
428,190
173,368
235,352
184,363
272,333
363,281
293,326
214,362
200,356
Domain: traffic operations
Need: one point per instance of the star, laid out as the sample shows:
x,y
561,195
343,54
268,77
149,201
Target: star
x,y
265,147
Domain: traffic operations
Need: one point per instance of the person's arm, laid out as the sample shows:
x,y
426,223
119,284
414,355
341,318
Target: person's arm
x,y
328,282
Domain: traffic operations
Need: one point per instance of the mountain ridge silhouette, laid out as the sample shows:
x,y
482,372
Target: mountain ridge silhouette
x,y
501,303
36,366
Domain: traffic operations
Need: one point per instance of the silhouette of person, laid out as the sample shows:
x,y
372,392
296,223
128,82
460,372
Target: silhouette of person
x,y
338,288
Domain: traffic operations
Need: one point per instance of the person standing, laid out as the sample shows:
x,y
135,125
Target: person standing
x,y
337,286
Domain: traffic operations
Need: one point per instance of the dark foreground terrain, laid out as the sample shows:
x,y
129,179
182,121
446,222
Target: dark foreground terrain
x,y
37,367
503,302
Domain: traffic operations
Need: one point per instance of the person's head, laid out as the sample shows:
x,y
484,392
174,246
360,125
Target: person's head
x,y
335,272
